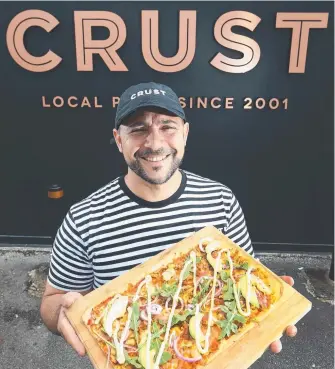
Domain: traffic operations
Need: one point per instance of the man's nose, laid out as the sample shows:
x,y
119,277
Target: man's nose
x,y
154,139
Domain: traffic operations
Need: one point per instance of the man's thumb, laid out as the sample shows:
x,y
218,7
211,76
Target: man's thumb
x,y
70,298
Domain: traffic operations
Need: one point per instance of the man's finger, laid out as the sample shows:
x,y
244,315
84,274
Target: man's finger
x,y
69,298
276,347
289,280
291,331
69,334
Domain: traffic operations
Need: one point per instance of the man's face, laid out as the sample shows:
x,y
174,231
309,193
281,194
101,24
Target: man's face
x,y
153,144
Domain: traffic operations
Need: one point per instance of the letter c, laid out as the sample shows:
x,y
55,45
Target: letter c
x,y
15,36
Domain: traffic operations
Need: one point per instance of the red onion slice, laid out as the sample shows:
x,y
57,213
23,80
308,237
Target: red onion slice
x,y
217,293
180,356
130,348
171,339
156,309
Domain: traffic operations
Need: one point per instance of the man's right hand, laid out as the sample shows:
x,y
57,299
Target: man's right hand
x,y
65,328
54,304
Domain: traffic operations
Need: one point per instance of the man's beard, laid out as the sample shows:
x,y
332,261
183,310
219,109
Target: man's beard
x,y
136,166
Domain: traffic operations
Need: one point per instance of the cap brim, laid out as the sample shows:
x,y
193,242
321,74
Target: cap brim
x,y
151,104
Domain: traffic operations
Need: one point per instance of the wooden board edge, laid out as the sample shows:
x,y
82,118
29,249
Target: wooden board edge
x,y
185,245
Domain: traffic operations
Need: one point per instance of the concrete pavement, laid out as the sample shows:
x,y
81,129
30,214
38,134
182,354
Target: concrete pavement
x,y
26,344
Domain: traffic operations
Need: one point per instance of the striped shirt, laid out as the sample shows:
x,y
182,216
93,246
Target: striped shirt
x,y
113,230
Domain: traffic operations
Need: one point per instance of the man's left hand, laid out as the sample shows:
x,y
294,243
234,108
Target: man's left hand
x,y
291,330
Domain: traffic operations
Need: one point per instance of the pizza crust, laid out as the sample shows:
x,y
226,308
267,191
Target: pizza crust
x,y
167,256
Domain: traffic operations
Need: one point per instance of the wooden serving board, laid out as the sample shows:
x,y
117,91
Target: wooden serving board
x,y
242,351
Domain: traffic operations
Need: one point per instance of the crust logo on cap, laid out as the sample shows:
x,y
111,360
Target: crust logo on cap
x,y
148,92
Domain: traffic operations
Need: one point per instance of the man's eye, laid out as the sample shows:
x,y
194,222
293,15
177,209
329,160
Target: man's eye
x,y
138,130
165,128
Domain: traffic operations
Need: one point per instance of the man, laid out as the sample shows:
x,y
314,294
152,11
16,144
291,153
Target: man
x,y
135,216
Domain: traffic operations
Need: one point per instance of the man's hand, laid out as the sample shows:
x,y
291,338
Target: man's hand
x,y
54,304
291,331
64,327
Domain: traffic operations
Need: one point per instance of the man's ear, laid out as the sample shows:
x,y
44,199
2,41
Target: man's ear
x,y
117,138
186,131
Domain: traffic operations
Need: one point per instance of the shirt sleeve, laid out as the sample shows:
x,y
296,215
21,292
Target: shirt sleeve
x,y
237,229
70,268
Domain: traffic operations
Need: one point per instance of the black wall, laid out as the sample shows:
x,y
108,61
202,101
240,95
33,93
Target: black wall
x,y
279,163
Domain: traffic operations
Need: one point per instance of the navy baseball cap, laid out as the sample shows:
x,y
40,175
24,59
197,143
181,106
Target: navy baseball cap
x,y
146,95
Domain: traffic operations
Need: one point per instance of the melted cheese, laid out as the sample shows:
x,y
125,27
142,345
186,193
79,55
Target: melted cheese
x,y
205,349
247,300
174,304
194,260
126,328
214,246
106,311
118,346
237,299
137,295
147,281
116,309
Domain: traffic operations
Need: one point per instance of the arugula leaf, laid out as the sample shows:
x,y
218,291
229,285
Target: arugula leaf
x,y
134,321
245,266
155,344
231,305
229,294
187,271
155,337
169,290
156,331
181,318
225,274
204,287
239,318
165,358
132,360
230,315
224,309
190,266
225,328
234,327
156,292
228,326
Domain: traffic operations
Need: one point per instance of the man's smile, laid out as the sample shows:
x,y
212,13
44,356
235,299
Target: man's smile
x,y
155,158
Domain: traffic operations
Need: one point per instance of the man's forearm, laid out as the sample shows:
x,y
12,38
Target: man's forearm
x,y
50,308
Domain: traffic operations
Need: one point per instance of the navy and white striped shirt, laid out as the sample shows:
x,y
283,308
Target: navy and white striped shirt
x,y
113,230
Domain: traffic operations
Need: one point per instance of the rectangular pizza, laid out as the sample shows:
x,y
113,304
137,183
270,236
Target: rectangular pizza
x,y
187,310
